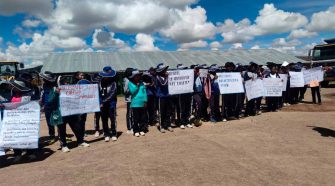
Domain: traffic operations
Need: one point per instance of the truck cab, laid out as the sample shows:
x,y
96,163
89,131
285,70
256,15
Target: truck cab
x,y
9,69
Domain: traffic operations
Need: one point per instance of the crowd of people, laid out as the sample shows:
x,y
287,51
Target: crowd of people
x,y
149,102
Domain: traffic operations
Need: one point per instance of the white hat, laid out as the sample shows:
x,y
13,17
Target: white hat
x,y
285,64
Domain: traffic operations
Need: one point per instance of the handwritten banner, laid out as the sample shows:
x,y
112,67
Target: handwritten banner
x,y
273,87
79,99
254,89
230,83
284,78
19,128
297,79
181,81
313,74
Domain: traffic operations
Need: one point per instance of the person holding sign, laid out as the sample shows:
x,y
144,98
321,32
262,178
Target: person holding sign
x,y
272,102
315,88
164,104
184,105
230,102
49,83
138,102
250,74
108,92
215,94
19,89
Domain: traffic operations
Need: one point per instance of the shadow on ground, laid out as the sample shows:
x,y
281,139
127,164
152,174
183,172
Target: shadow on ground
x,y
325,132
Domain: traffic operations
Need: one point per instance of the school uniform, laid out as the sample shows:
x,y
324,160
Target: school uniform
x,y
151,104
197,102
137,105
108,92
251,103
47,106
215,99
127,98
272,102
164,101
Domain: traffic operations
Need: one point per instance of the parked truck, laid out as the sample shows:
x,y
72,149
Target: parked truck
x,y
10,69
324,54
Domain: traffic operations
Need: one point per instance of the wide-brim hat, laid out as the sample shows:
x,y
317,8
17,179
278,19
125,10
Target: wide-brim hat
x,y
83,82
108,74
135,73
19,85
161,68
230,64
285,64
181,67
48,76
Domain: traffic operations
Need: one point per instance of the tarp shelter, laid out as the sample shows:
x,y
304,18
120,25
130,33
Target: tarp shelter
x,y
69,62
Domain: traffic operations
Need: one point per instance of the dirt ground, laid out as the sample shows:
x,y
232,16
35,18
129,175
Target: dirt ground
x,y
295,146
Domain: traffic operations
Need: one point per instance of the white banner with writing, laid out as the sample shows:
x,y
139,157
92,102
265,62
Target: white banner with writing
x,y
273,87
254,89
230,83
79,99
20,125
284,78
181,81
296,79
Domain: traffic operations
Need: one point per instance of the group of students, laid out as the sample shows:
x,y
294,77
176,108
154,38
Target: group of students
x,y
149,102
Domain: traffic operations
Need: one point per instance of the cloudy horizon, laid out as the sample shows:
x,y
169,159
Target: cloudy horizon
x,y
31,29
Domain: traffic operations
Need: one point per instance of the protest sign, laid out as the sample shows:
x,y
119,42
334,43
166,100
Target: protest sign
x,y
203,72
79,99
254,89
230,83
313,74
181,81
283,77
297,79
273,87
20,126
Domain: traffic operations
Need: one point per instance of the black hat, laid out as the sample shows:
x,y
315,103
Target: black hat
x,y
230,64
134,73
181,67
19,85
161,68
48,76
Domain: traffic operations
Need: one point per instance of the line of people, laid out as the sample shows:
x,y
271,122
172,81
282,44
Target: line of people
x,y
149,102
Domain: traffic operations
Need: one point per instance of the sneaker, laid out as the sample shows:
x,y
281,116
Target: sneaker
x,y
84,144
142,133
259,112
96,134
162,130
130,131
182,126
197,123
189,126
170,129
137,134
213,120
65,149
224,120
17,158
107,139
114,138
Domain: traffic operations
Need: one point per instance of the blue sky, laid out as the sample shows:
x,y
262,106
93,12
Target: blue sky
x,y
31,29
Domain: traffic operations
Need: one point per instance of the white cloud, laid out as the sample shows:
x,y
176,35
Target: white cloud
x,y
323,21
301,33
195,44
215,45
104,39
237,46
281,42
269,21
31,23
145,42
255,47
189,25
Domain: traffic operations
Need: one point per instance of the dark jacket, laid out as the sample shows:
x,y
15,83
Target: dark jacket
x,y
162,87
108,93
